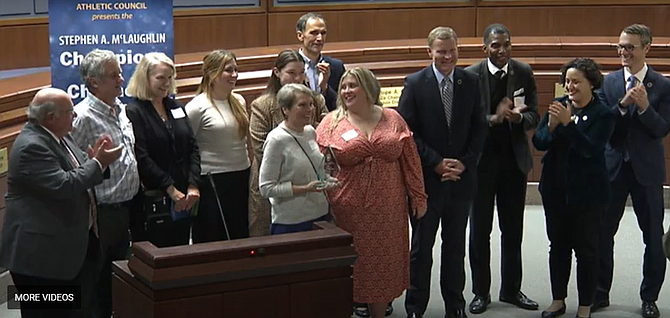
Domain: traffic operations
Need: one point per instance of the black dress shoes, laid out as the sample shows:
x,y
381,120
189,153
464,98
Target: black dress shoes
x,y
479,304
414,315
552,314
600,304
520,300
389,310
456,314
649,309
362,310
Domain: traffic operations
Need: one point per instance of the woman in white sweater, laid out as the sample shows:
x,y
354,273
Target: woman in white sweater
x,y
220,125
291,172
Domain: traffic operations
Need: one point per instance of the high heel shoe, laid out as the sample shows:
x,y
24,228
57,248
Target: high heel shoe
x,y
552,314
578,316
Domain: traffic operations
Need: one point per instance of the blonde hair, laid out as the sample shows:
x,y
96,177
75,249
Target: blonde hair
x,y
367,81
212,66
138,86
441,33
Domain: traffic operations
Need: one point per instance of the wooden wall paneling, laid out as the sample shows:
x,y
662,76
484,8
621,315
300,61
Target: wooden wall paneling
x,y
569,20
195,30
567,2
281,28
370,25
24,46
205,33
324,6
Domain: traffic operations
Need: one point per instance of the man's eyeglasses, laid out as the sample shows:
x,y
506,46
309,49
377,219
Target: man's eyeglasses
x,y
627,47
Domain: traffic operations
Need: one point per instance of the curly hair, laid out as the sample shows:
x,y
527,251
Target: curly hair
x,y
588,67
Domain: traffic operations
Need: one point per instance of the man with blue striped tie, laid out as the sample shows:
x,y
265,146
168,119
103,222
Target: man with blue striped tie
x,y
635,161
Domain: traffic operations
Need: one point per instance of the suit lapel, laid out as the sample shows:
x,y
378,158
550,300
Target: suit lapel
x,y
55,146
511,85
511,79
75,149
620,84
649,80
456,107
432,91
486,86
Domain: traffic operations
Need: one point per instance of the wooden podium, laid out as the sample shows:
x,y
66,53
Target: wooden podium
x,y
297,275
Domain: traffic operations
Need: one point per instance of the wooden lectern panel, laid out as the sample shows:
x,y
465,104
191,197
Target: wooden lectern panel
x,y
317,297
262,302
292,275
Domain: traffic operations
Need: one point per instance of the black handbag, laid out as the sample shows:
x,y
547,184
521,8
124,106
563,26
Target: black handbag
x,y
156,207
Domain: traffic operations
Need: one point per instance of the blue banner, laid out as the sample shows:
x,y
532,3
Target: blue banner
x,y
129,29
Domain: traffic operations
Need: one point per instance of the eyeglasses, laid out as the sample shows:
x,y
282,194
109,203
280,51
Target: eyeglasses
x,y
627,47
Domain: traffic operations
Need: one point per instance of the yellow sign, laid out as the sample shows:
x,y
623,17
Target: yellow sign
x,y
3,160
389,96
559,91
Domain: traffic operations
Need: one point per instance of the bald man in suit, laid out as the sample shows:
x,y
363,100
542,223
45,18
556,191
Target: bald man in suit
x,y
48,234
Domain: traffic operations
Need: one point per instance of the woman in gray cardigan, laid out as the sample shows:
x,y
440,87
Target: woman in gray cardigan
x,y
291,172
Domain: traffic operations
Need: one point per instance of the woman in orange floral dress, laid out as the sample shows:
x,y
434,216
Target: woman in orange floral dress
x,y
379,170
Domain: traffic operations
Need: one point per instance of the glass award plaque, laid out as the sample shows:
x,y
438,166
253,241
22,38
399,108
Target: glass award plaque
x,y
330,165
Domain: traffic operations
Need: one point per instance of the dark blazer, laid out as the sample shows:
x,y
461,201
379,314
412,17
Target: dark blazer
x,y
45,230
421,106
519,77
336,71
639,134
585,176
164,156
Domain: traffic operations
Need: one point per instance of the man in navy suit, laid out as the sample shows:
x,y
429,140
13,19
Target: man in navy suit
x,y
634,156
323,73
441,104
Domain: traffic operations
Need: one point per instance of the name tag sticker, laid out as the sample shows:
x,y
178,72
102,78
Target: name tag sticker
x,y
349,135
178,113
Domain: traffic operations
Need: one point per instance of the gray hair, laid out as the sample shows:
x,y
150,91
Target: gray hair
x,y
288,95
302,21
93,65
37,113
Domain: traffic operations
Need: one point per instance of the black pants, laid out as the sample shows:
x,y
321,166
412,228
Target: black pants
x,y
499,179
86,278
113,224
165,234
573,227
648,206
233,190
452,214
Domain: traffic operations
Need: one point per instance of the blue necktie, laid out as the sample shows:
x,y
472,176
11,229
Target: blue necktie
x,y
632,80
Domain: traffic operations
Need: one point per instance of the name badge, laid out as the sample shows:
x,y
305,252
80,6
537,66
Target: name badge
x,y
349,135
177,113
518,92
